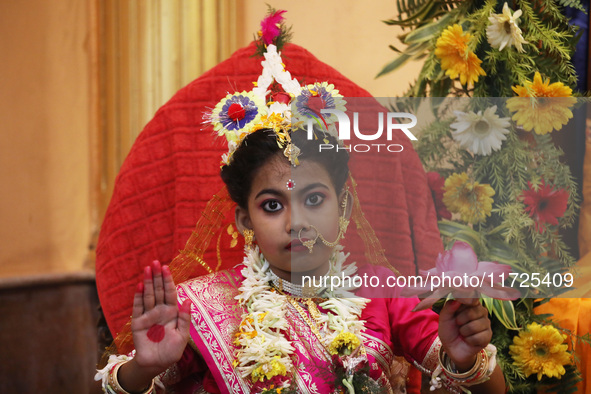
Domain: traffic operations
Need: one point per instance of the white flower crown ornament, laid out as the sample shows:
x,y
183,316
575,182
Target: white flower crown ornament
x,y
239,114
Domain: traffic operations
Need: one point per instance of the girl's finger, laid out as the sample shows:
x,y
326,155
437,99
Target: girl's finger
x,y
466,314
138,301
468,301
158,283
148,289
479,339
448,311
474,327
169,287
184,319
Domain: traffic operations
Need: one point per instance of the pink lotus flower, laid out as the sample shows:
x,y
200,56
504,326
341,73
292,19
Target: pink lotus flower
x,y
458,271
270,26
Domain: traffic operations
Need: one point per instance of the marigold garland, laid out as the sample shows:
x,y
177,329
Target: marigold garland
x,y
263,351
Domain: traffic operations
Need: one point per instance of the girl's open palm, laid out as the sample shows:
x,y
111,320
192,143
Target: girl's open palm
x,y
160,328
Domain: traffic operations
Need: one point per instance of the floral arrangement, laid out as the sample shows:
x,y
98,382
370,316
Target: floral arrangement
x,y
497,178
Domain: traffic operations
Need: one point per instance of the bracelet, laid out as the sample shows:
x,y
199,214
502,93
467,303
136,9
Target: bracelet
x,y
473,376
113,384
479,373
450,369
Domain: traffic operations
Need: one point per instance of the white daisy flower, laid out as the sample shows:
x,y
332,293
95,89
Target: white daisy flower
x,y
480,133
503,30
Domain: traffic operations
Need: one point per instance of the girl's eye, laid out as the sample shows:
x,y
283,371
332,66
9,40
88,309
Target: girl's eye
x,y
314,199
272,206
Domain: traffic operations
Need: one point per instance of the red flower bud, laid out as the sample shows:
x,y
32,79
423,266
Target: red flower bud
x,y
315,103
281,97
236,112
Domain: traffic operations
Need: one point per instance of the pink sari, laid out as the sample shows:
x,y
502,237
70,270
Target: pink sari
x,y
391,330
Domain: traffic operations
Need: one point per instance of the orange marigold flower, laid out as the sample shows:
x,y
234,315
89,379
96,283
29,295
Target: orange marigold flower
x,y
456,58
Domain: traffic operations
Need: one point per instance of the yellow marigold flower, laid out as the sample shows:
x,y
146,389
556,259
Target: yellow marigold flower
x,y
540,350
456,58
344,343
541,115
268,370
468,198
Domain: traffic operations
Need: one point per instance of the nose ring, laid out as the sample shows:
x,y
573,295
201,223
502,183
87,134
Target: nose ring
x,y
309,243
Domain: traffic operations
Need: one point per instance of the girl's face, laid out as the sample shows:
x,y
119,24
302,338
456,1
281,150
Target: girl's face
x,y
279,216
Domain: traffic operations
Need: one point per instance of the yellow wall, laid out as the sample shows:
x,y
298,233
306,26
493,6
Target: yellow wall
x,y
46,107
49,108
347,34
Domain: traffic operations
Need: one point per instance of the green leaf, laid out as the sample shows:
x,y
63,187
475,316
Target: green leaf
x,y
501,252
460,232
426,33
503,310
412,52
399,61
573,4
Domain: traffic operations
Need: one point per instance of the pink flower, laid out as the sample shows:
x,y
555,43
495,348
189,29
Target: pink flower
x,y
458,271
436,183
270,26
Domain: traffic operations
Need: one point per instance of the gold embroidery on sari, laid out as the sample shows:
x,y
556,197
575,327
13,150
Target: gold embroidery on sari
x,y
216,316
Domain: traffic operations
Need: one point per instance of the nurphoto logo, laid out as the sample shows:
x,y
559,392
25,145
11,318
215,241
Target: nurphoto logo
x,y
393,123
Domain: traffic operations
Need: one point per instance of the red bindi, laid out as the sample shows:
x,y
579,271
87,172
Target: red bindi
x,y
156,333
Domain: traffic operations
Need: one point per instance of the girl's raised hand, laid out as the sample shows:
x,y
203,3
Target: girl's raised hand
x,y
464,329
160,328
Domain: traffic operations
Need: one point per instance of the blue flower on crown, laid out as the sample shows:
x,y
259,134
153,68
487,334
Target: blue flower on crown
x,y
236,113
316,97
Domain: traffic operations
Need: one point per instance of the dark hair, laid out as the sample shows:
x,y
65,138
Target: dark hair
x,y
260,146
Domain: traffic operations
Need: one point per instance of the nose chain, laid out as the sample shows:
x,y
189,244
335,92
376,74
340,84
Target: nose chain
x,y
343,224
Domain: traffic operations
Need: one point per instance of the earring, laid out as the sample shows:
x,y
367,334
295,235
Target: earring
x,y
345,200
248,237
343,221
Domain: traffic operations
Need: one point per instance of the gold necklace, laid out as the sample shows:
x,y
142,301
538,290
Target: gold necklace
x,y
316,314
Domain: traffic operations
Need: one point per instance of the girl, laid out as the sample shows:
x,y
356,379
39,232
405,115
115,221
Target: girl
x,y
254,328
276,323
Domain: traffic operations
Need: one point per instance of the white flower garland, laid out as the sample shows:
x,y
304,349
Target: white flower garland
x,y
274,69
264,352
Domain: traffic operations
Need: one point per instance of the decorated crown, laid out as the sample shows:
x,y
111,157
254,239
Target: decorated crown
x,y
266,107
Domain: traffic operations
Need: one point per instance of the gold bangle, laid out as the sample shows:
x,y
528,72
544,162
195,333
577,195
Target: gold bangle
x,y
114,382
481,363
